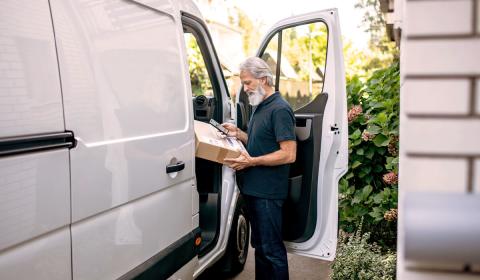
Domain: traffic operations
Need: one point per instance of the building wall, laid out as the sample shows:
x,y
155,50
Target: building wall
x,y
440,110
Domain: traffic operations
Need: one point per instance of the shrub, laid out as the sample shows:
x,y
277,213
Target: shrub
x,y
369,190
358,260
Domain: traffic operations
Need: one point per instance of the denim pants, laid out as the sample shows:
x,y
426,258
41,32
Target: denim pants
x,y
266,223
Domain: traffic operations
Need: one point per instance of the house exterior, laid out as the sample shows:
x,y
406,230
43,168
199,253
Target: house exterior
x,y
439,175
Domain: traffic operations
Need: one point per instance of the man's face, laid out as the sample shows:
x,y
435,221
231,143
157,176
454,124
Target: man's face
x,y
253,88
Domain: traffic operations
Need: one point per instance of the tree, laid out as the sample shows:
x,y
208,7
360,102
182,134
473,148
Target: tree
x,y
375,24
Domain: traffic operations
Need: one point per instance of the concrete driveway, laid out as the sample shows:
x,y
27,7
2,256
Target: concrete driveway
x,y
299,268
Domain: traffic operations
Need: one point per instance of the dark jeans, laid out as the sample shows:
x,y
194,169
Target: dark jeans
x,y
266,222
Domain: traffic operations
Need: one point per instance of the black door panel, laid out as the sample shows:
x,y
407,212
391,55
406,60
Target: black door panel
x,y
300,209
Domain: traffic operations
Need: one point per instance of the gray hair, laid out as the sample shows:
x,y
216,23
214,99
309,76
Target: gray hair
x,y
258,68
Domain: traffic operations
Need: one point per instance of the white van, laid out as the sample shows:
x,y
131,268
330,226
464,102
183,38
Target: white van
x,y
98,175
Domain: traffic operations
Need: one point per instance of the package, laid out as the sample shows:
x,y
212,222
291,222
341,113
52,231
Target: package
x,y
211,144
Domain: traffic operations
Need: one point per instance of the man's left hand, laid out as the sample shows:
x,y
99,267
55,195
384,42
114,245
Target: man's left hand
x,y
241,162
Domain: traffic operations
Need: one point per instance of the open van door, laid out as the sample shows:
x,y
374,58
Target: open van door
x,y
305,54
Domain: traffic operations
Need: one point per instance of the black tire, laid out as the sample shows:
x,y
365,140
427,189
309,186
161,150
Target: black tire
x,y
233,262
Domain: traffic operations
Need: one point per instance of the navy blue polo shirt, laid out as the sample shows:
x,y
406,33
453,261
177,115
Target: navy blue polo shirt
x,y
272,122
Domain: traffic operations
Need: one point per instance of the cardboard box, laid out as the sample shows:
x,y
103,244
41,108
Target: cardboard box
x,y
211,145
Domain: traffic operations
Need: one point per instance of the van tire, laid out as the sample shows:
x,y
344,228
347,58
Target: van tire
x,y
233,262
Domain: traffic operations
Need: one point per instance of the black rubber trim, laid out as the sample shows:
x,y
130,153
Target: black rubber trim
x,y
168,261
35,143
279,61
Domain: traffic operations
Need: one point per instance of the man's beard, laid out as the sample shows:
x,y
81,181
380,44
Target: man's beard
x,y
256,96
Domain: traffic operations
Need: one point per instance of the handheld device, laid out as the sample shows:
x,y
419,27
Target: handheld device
x,y
219,126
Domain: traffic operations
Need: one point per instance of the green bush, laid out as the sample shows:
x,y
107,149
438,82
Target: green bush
x,y
369,190
358,260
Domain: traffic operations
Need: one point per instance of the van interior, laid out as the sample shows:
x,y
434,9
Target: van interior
x,y
209,180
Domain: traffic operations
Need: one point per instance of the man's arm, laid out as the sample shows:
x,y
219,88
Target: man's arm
x,y
286,154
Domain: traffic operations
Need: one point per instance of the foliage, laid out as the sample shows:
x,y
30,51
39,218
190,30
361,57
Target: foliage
x,y
375,24
358,260
369,190
251,34
196,65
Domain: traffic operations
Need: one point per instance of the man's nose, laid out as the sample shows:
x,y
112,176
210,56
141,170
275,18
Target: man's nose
x,y
245,88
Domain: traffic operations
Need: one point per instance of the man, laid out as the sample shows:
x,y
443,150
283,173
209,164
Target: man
x,y
271,146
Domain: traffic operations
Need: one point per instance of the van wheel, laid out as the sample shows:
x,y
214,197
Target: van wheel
x,y
236,254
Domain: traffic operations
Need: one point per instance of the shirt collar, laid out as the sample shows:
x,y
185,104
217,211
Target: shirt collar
x,y
270,99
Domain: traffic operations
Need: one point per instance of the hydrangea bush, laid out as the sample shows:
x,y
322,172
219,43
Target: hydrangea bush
x,y
369,190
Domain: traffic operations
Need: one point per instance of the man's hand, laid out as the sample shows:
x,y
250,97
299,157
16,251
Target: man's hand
x,y
241,162
234,131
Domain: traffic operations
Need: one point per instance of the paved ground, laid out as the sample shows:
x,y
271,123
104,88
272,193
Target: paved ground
x,y
299,267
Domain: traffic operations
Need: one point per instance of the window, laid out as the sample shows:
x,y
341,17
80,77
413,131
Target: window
x,y
201,84
301,64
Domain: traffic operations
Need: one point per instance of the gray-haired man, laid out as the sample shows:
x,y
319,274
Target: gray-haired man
x,y
271,146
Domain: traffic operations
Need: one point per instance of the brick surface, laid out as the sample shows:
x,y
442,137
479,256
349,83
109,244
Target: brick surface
x,y
476,176
445,136
477,97
433,175
442,57
436,96
455,17
478,16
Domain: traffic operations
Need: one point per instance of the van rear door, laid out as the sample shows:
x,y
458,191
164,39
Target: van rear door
x,y
305,54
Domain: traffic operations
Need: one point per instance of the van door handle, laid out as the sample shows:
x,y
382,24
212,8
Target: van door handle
x,y
175,167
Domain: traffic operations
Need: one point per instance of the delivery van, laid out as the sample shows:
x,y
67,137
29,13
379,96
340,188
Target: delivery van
x,y
98,174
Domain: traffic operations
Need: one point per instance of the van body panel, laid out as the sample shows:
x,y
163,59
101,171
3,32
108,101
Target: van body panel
x,y
30,100
34,196
126,95
130,234
44,258
129,112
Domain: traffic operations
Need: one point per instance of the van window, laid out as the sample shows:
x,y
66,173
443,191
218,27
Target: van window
x,y
199,78
302,61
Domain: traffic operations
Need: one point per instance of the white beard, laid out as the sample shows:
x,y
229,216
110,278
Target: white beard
x,y
256,96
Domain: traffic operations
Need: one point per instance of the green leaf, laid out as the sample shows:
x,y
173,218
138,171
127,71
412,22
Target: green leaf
x,y
373,129
378,198
360,152
366,191
381,140
370,152
355,135
386,193
356,164
378,168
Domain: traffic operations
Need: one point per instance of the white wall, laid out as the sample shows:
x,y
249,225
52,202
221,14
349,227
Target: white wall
x,y
440,109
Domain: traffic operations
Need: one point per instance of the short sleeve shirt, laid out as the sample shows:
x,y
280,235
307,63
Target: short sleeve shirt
x,y
272,122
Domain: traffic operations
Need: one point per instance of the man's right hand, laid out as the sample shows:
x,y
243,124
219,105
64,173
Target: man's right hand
x,y
232,129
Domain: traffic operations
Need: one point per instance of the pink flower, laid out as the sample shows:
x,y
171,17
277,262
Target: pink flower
x,y
391,215
390,178
367,136
354,112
